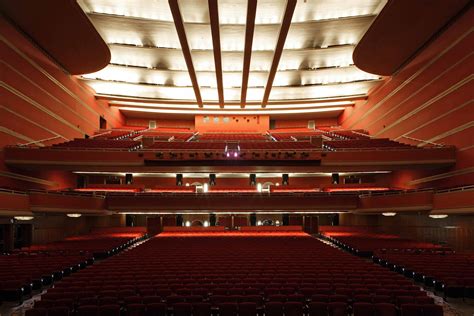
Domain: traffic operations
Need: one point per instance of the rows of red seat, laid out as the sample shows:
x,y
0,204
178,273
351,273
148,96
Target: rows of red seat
x,y
434,265
187,146
286,275
100,143
243,146
39,265
99,241
167,135
364,143
349,134
447,271
364,242
232,137
292,136
277,146
116,134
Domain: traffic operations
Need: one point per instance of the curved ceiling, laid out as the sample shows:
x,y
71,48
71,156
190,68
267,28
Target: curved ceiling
x,y
62,30
389,44
232,51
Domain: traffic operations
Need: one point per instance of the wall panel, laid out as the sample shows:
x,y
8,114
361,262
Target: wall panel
x,y
40,100
429,99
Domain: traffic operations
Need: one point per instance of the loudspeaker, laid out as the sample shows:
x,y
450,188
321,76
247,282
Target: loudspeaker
x,y
212,220
179,220
285,179
253,179
212,179
335,178
81,182
179,179
286,219
129,220
128,178
253,219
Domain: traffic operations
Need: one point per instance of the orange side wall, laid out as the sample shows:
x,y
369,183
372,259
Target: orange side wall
x,y
161,123
431,98
40,100
304,123
239,123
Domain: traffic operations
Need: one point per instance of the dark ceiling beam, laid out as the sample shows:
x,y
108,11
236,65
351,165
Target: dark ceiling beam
x,y
284,28
178,22
216,43
249,30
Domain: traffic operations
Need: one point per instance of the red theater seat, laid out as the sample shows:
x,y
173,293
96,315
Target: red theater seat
x,y
37,312
201,309
337,309
363,309
109,310
87,310
247,309
182,309
385,309
274,309
293,309
156,309
228,309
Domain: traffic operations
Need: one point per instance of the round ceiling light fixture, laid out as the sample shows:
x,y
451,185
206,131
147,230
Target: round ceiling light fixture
x,y
74,215
438,216
389,214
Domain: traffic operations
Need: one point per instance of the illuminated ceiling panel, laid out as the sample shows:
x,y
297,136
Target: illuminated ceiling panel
x,y
232,94
172,59
231,79
147,60
196,11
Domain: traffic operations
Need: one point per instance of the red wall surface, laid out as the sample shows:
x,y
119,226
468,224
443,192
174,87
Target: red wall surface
x,y
431,99
160,123
319,122
238,123
40,100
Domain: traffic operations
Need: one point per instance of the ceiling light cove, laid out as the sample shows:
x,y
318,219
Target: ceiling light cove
x,y
231,112
192,106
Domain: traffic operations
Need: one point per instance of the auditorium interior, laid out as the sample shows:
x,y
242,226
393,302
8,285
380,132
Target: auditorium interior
x,y
236,158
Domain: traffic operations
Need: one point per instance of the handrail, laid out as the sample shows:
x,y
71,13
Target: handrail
x,y
315,149
362,134
463,188
423,141
11,191
400,192
41,140
227,194
397,192
68,193
101,134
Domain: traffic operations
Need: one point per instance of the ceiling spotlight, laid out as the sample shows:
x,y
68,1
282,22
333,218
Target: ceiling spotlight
x,y
277,184
228,155
438,216
187,184
389,214
277,223
187,224
206,224
259,223
235,155
23,218
74,215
